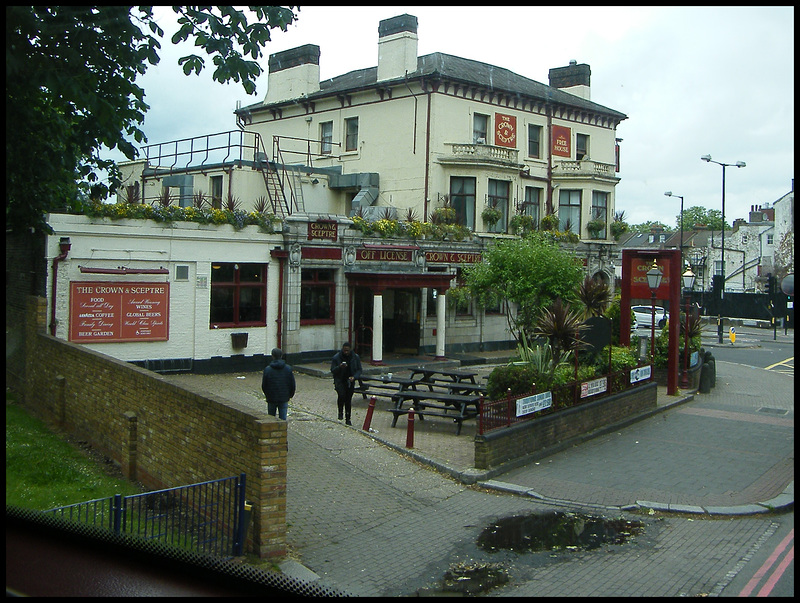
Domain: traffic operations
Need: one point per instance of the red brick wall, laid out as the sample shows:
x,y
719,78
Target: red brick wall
x,y
549,432
160,434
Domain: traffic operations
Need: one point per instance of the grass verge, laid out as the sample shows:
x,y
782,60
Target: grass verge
x,y
43,470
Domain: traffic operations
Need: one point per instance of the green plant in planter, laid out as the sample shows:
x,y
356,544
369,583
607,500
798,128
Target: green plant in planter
x,y
521,224
443,215
595,227
490,216
549,222
618,227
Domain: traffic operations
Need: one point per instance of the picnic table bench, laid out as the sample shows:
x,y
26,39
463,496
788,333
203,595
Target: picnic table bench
x,y
434,374
383,386
423,402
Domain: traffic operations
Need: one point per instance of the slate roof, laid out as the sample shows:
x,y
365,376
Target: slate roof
x,y
443,66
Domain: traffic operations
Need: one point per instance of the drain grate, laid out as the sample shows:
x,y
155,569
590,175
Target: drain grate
x,y
772,411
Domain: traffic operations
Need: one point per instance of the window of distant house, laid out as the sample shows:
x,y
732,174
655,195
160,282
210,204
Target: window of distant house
x,y
498,199
770,239
351,134
581,146
600,210
531,206
326,136
480,128
238,295
216,192
534,140
462,199
717,267
569,211
317,297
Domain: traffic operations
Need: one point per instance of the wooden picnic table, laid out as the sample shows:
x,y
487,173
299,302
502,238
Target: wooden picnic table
x,y
437,404
432,374
383,386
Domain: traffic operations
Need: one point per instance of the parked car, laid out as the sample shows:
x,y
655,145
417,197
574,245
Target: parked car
x,y
644,315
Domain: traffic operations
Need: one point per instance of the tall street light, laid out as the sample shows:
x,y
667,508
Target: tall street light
x,y
738,164
688,285
669,194
653,282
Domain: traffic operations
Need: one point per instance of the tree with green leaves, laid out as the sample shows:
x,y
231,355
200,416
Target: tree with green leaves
x,y
531,272
70,91
696,215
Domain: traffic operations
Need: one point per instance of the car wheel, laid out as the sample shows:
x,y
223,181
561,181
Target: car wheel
x,y
661,323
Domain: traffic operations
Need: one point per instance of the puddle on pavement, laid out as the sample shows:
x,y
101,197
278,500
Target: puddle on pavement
x,y
555,531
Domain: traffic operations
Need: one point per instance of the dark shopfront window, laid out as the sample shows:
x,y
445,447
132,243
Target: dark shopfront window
x,y
316,297
238,295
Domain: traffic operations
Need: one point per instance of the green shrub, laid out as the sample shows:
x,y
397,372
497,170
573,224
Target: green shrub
x,y
520,379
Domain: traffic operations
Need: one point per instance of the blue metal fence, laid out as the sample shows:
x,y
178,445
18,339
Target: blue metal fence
x,y
207,517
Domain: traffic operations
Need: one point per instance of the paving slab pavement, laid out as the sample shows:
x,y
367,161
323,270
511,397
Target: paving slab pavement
x,y
370,516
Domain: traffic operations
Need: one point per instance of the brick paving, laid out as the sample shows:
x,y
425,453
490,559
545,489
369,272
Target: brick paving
x,y
371,520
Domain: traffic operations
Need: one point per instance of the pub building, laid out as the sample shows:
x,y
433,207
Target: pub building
x,y
414,137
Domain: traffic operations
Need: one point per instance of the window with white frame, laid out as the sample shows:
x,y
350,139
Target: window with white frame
x,y
326,137
351,134
770,239
462,198
581,146
600,210
532,204
569,211
498,199
534,141
480,128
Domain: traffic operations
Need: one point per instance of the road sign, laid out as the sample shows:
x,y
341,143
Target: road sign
x,y
733,335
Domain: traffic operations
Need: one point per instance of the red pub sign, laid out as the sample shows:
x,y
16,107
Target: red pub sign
x,y
562,141
323,229
108,312
505,130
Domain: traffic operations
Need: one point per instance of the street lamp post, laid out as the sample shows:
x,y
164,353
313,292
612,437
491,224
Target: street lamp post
x,y
654,282
669,194
688,285
738,164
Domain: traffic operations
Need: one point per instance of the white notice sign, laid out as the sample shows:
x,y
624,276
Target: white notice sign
x,y
590,388
526,406
640,374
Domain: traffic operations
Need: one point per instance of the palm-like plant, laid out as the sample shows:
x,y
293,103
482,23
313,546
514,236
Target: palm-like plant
x,y
595,296
562,327
261,205
232,203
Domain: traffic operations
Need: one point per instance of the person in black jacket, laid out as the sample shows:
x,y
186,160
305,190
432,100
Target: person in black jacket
x,y
278,384
346,369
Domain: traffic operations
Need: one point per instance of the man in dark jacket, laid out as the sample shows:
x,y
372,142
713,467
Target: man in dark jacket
x,y
346,369
278,384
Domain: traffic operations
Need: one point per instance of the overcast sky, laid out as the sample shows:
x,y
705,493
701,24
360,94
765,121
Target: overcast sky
x,y
692,81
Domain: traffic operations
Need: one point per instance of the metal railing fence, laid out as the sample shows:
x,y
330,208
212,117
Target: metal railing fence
x,y
207,517
497,414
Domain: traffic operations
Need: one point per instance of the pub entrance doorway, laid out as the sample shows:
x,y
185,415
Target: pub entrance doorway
x,y
401,320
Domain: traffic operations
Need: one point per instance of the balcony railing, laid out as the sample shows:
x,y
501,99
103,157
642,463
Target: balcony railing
x,y
583,168
480,153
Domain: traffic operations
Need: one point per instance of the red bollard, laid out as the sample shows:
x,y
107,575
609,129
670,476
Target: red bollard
x,y
410,430
368,418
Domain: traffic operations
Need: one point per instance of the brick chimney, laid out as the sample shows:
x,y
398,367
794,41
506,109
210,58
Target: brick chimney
x,y
397,47
573,79
293,74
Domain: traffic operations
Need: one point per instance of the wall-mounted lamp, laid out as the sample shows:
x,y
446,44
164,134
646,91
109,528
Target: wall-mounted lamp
x,y
315,181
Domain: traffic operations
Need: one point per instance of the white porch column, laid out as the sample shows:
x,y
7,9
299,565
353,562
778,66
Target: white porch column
x,y
441,304
377,328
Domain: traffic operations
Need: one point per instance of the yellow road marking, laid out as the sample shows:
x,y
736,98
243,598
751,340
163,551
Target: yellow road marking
x,y
781,363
